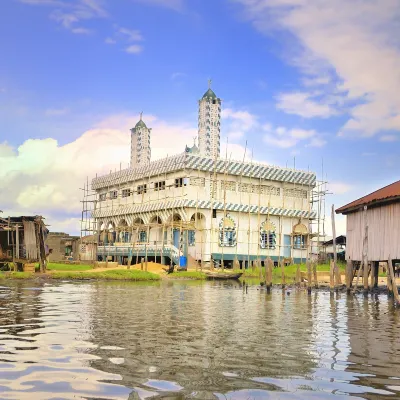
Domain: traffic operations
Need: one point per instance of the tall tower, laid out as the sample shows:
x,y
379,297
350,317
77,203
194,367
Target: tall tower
x,y
140,144
209,124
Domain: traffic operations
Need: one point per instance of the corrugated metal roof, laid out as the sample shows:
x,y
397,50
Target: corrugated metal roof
x,y
390,191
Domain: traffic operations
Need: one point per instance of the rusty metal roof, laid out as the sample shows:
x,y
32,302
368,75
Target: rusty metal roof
x,y
387,193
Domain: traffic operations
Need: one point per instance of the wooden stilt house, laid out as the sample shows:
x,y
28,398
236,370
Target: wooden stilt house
x,y
373,228
22,242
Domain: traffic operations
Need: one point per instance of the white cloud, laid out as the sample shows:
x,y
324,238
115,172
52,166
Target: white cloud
x,y
70,13
301,103
389,138
110,41
131,35
355,42
54,112
134,49
237,122
285,138
278,142
339,187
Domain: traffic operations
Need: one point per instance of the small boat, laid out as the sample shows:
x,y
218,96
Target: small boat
x,y
223,275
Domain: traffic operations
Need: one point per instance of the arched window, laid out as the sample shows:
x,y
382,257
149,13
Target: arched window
x,y
227,232
300,233
267,235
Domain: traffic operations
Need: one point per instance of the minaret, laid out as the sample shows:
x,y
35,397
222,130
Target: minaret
x,y
209,124
140,144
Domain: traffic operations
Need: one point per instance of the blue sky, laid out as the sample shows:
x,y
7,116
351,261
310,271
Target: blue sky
x,y
298,80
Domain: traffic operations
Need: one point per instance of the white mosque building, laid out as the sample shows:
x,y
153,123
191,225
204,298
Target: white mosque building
x,y
195,207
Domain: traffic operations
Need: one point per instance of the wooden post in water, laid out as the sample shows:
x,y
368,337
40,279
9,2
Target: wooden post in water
x,y
358,276
349,275
283,273
393,279
141,263
309,276
298,275
268,274
331,276
389,281
375,273
314,266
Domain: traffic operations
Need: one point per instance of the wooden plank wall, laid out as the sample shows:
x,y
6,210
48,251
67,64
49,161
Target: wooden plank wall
x,y
383,233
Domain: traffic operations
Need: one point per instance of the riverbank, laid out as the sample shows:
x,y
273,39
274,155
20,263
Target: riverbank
x,y
155,272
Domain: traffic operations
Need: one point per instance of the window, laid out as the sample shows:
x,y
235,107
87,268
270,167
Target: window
x,y
300,233
227,232
299,242
267,235
159,186
102,196
142,189
300,193
113,194
228,185
179,182
191,238
126,192
142,237
214,213
197,181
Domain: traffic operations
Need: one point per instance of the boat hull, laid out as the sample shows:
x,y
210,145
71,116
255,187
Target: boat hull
x,y
222,276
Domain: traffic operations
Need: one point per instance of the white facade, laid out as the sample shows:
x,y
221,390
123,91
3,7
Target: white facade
x,y
203,208
209,125
140,144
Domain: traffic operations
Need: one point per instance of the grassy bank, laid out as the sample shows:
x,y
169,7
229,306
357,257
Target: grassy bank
x,y
116,274
68,267
192,275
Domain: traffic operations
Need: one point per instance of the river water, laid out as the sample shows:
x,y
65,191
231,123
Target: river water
x,y
186,340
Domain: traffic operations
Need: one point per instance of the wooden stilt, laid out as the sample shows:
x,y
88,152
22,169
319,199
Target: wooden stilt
x,y
142,264
309,276
314,266
283,273
393,279
389,281
349,275
331,276
375,274
298,275
268,273
358,276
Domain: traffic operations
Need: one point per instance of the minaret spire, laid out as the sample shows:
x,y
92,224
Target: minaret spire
x,y
209,124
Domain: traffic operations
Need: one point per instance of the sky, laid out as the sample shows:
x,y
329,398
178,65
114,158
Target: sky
x,y
311,84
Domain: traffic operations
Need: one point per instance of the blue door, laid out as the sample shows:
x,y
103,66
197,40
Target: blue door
x,y
176,238
287,245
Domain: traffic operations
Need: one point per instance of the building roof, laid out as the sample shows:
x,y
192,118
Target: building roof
x,y
197,162
339,240
209,94
140,124
386,194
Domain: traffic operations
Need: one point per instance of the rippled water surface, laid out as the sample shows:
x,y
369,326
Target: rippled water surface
x,y
177,340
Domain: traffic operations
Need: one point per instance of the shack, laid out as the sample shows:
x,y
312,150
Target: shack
x,y
62,247
22,242
340,248
373,227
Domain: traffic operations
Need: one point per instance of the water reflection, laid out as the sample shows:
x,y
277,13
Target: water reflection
x,y
214,340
